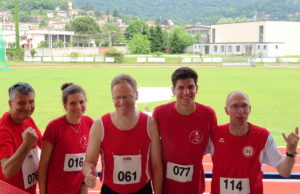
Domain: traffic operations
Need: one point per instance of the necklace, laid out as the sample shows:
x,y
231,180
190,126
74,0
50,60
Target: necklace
x,y
74,130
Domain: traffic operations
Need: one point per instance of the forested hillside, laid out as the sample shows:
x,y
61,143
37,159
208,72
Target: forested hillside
x,y
180,11
205,11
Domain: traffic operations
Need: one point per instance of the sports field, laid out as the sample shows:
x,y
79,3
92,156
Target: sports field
x,y
274,92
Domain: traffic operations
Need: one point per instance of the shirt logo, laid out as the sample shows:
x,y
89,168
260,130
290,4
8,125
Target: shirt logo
x,y
195,137
221,140
248,151
84,141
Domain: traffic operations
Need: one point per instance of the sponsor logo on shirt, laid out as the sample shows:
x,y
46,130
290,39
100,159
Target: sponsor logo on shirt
x,y
221,140
248,151
195,137
84,141
127,158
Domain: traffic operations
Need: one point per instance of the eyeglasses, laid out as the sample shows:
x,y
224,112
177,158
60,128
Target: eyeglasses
x,y
236,107
118,98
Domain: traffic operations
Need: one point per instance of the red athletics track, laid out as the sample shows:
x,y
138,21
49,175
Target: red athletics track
x,y
281,186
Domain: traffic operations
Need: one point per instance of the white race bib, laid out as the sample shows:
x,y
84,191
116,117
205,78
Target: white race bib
x,y
127,169
74,162
180,173
234,185
30,168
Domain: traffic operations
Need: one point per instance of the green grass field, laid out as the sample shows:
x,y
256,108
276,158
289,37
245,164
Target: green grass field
x,y
274,92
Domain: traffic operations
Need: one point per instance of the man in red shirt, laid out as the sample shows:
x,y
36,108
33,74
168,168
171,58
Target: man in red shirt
x,y
184,126
239,149
19,138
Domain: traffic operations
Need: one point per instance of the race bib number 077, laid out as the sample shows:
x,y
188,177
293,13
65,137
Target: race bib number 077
x,y
180,173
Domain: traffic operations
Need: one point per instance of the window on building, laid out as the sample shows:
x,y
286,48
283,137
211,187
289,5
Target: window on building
x,y
229,48
214,35
223,48
265,46
261,33
238,48
258,47
215,48
276,46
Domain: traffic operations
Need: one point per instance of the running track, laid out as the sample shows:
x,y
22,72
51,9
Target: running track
x,y
278,186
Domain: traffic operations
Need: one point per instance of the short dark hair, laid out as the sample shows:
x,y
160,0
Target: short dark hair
x,y
124,78
184,73
22,88
70,88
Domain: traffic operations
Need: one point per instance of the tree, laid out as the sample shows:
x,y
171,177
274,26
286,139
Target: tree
x,y
115,13
137,27
140,44
16,13
180,39
157,39
198,37
112,33
84,25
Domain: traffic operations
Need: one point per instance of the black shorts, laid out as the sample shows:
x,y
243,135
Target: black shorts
x,y
147,189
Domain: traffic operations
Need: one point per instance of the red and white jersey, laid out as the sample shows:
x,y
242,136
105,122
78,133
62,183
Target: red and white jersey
x,y
126,155
64,171
10,140
184,139
237,161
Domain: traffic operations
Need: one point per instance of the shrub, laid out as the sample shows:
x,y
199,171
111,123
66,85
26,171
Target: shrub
x,y
32,52
118,55
74,54
15,53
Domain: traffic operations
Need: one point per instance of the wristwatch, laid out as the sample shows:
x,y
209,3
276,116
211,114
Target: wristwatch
x,y
293,155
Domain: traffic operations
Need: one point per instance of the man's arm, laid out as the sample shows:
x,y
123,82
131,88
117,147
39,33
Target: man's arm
x,y
92,154
11,165
285,168
155,154
47,149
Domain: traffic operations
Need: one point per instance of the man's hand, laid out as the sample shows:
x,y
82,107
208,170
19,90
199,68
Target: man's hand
x,y
291,141
90,177
29,137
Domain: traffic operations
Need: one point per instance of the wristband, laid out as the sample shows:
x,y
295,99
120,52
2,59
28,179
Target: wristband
x,y
293,155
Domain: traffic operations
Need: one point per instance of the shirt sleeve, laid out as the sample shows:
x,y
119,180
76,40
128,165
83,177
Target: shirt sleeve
x,y
270,154
6,144
49,134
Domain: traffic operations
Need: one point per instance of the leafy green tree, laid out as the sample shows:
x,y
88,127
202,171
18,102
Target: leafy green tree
x,y
87,6
84,25
43,44
16,13
32,52
140,44
180,39
137,27
115,13
112,32
157,39
198,37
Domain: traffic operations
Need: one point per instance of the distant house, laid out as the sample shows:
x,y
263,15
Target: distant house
x,y
50,13
22,26
202,30
257,38
61,13
58,23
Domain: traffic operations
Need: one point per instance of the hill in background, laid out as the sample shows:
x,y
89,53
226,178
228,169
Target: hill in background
x,y
204,11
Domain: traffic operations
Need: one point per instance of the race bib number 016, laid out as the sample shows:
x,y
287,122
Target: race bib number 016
x,y
180,173
74,162
234,185
30,168
127,169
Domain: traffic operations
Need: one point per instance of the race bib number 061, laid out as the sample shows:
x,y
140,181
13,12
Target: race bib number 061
x,y
180,173
234,185
127,169
74,162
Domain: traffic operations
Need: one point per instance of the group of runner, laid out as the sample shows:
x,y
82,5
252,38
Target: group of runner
x,y
140,154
